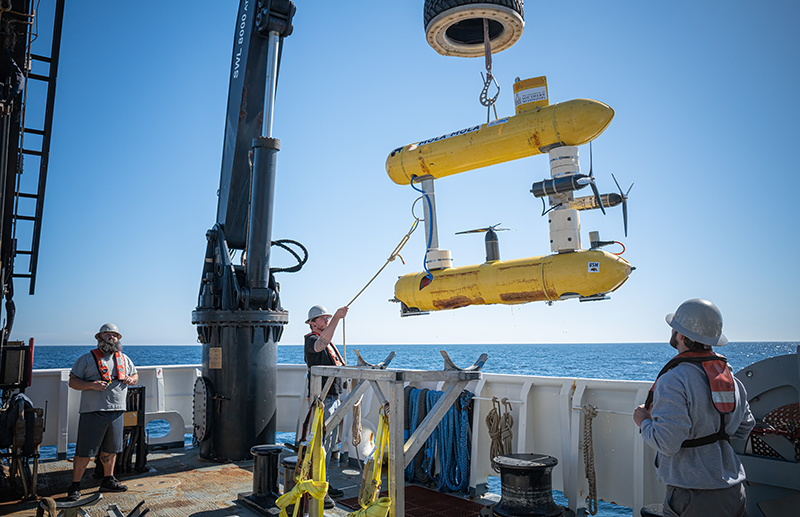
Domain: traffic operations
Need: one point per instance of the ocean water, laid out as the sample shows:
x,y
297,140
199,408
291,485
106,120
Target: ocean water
x,y
619,361
630,361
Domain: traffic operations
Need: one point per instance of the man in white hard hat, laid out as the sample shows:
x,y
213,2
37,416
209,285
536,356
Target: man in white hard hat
x,y
697,407
319,351
102,376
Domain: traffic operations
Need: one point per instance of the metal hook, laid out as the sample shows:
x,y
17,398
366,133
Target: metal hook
x,y
487,82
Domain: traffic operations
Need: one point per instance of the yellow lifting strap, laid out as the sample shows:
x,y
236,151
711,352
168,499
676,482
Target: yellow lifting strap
x,y
371,483
310,473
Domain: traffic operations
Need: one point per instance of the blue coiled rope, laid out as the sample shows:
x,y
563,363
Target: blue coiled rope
x,y
454,447
430,446
450,442
413,410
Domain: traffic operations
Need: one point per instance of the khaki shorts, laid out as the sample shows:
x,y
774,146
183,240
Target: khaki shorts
x,y
99,431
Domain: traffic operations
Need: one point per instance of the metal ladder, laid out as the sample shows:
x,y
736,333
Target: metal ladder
x,y
33,141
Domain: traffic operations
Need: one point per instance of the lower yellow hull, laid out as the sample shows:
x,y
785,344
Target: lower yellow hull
x,y
548,278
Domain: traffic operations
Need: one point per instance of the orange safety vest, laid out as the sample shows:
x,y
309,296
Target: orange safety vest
x,y
333,353
720,380
118,362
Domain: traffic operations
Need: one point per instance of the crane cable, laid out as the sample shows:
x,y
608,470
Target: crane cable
x,y
589,412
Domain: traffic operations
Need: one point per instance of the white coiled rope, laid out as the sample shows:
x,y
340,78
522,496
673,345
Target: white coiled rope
x,y
499,431
589,412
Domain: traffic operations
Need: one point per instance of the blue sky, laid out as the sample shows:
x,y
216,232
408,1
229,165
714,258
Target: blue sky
x,y
705,95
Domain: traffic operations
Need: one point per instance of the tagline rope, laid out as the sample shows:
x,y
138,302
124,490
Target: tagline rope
x,y
392,256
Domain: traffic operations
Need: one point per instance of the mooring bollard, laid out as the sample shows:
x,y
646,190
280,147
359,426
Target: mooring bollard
x,y
265,470
289,464
526,486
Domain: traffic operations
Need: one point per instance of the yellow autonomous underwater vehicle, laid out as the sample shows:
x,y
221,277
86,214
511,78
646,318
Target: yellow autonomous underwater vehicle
x,y
537,128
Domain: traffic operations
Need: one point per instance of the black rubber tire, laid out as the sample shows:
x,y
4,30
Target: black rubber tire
x,y
455,27
434,8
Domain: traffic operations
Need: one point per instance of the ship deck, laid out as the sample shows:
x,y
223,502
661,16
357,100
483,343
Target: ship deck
x,y
178,483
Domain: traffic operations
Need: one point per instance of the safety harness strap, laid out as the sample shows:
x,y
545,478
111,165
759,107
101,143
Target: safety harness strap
x,y
371,484
711,438
310,471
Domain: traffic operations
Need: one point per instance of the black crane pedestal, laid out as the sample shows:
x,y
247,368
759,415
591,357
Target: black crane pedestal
x,y
238,404
526,486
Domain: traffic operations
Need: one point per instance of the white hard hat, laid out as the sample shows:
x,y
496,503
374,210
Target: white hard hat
x,y
699,320
108,327
317,311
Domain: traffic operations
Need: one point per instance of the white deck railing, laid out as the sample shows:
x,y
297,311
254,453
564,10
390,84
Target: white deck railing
x,y
547,420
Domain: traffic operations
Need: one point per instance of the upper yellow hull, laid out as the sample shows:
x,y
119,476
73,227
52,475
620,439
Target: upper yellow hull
x,y
531,132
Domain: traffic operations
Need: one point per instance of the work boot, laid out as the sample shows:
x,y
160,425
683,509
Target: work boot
x,y
335,492
328,503
74,492
110,484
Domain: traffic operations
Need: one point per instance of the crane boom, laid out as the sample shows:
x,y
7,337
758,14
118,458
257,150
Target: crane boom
x,y
239,317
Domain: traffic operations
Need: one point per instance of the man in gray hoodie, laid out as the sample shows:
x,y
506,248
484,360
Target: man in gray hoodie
x,y
697,407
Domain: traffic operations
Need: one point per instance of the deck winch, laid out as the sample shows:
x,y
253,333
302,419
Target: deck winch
x,y
536,128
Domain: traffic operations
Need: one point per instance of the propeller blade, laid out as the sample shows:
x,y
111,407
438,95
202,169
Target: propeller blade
x,y
594,186
617,184
494,227
598,198
625,214
624,203
625,209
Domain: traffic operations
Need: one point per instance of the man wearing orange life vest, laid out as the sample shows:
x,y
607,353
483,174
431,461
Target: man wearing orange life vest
x,y
102,376
319,351
698,406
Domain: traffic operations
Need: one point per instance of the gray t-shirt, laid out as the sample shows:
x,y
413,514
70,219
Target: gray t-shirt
x,y
113,397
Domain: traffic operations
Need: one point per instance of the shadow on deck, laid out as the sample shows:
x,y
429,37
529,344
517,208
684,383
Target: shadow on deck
x,y
178,483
